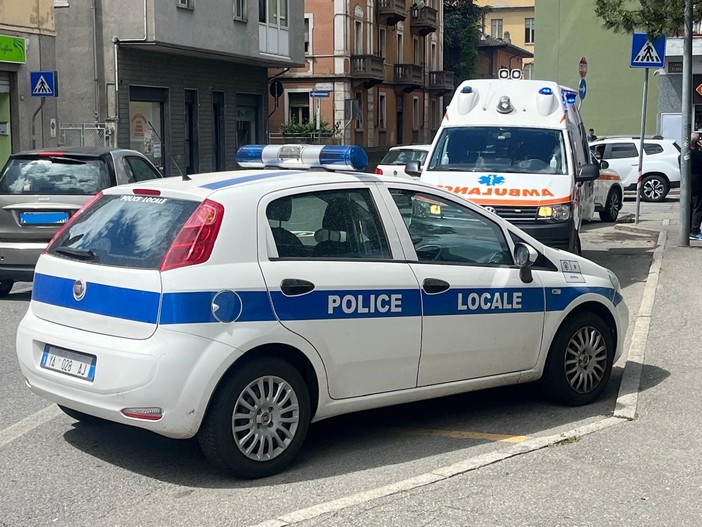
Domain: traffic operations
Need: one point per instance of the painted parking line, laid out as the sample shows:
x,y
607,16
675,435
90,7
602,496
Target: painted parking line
x,y
459,434
28,424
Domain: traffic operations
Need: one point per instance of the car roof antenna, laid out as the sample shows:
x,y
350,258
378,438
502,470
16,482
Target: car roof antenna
x,y
184,176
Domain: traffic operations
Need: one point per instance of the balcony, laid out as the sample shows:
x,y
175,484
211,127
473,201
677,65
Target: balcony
x,y
440,82
391,12
369,69
408,77
423,21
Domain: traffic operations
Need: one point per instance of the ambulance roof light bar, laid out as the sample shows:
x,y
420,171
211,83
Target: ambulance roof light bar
x,y
328,157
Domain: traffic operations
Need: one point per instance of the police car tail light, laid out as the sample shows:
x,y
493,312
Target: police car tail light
x,y
146,192
330,157
72,219
148,414
196,239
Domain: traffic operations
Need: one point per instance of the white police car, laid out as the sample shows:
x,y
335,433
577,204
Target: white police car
x,y
241,306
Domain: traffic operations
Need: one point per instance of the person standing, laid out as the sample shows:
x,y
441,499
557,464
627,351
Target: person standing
x,y
695,186
591,135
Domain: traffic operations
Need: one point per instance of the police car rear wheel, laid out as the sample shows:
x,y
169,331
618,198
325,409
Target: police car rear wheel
x,y
579,363
258,419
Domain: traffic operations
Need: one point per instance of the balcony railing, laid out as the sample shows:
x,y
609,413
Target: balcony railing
x,y
408,77
368,68
423,21
391,12
440,82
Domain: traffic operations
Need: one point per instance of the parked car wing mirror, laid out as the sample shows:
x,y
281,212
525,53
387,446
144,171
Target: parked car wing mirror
x,y
588,172
413,168
604,164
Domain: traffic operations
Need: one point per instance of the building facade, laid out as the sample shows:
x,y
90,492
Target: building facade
x,y
373,73
183,81
513,22
27,43
570,31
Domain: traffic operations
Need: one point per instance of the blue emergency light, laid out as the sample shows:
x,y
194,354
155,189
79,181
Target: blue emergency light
x,y
330,157
546,91
570,97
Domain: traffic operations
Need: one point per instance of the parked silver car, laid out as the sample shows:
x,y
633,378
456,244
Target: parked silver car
x,y
40,190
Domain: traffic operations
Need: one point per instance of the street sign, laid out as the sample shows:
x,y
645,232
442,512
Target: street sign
x,y
699,89
324,86
43,83
319,93
647,53
582,67
276,88
582,89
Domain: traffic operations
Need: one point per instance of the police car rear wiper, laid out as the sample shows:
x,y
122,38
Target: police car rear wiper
x,y
80,254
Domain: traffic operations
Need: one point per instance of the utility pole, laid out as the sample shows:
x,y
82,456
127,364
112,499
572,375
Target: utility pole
x,y
685,195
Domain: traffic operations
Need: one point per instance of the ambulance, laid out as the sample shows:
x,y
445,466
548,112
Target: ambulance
x,y
519,149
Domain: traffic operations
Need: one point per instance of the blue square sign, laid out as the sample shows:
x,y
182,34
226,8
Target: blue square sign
x,y
43,83
647,53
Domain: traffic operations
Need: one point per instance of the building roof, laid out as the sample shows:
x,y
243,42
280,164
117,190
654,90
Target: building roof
x,y
498,43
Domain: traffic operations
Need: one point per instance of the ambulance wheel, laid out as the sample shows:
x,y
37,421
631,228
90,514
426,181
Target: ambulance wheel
x,y
83,418
654,188
5,287
611,206
579,361
257,419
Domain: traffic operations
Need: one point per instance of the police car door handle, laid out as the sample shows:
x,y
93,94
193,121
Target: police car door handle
x,y
434,286
295,287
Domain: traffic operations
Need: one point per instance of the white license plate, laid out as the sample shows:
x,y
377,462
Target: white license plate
x,y
68,362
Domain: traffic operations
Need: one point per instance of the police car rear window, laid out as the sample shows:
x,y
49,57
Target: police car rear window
x,y
124,231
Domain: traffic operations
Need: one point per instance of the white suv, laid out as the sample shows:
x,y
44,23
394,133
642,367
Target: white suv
x,y
661,163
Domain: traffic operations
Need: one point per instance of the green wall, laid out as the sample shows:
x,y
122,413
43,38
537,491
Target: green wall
x,y
567,30
5,140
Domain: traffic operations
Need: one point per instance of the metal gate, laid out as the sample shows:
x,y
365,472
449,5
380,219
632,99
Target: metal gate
x,y
88,134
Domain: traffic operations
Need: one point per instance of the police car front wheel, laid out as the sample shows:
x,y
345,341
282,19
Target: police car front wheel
x,y
257,420
579,362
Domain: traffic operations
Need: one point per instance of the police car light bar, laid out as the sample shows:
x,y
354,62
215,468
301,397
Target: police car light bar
x,y
330,157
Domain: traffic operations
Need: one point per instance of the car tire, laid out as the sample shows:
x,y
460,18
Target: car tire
x,y
579,362
654,188
257,420
612,206
5,287
83,418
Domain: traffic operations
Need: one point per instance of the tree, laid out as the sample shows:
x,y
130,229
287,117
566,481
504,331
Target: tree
x,y
462,30
653,17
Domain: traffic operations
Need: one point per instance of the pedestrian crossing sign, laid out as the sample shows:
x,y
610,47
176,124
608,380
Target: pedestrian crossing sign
x,y
647,53
43,83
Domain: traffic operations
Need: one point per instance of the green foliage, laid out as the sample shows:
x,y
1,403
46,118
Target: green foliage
x,y
653,17
462,30
307,130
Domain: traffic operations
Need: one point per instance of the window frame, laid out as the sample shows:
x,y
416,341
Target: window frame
x,y
240,10
529,28
497,23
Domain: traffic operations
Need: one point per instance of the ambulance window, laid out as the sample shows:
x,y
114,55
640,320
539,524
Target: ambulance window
x,y
331,224
445,232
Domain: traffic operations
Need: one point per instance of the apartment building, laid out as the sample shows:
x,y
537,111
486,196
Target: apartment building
x,y
373,71
27,40
511,21
183,81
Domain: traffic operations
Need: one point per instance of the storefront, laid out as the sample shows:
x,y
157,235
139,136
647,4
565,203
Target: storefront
x,y
12,54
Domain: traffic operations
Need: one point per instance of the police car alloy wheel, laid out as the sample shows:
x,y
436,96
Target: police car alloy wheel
x,y
579,362
258,420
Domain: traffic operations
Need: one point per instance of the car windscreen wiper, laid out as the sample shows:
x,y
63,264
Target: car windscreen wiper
x,y
80,254
64,160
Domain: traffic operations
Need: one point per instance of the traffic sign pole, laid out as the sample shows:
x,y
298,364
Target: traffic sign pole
x,y
641,146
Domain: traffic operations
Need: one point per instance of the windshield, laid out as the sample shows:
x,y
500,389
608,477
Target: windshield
x,y
500,149
402,156
54,175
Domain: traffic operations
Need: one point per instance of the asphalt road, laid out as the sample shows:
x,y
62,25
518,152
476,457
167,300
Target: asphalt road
x,y
59,472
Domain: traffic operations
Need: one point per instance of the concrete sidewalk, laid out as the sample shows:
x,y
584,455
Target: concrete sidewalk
x,y
646,471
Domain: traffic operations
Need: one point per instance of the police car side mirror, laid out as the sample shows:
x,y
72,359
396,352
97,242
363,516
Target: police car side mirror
x,y
525,256
588,172
413,168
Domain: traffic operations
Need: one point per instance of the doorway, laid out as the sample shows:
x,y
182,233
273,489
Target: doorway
x,y
146,132
192,147
218,129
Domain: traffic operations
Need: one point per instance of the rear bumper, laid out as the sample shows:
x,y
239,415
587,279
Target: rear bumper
x,y
17,260
559,235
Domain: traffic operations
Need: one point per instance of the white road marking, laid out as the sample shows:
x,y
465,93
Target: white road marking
x,y
28,424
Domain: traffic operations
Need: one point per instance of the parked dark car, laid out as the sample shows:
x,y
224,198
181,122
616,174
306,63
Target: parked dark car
x,y
40,190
